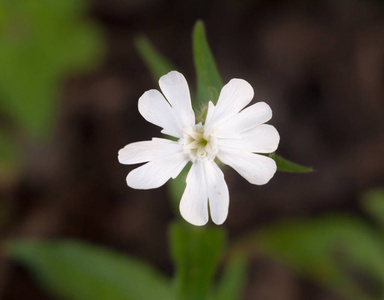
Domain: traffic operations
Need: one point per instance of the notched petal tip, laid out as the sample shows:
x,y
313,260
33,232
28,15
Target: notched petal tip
x,y
219,222
276,138
156,173
136,181
234,96
151,94
256,168
121,155
265,109
242,85
218,194
175,88
155,109
263,139
194,221
148,100
173,80
268,173
186,208
132,153
194,202
170,76
220,215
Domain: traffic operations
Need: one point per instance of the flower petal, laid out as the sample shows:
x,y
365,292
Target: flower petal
x,y
140,152
234,96
157,172
261,139
218,193
194,202
257,169
248,118
175,89
156,110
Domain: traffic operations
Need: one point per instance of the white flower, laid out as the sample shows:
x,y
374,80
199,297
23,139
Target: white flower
x,y
231,134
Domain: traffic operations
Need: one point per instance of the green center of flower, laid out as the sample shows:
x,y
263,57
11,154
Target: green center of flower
x,y
199,143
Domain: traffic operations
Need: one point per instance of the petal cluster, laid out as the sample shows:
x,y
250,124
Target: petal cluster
x,y
232,134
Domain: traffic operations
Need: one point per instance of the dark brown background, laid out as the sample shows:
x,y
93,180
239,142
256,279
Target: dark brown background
x,y
319,64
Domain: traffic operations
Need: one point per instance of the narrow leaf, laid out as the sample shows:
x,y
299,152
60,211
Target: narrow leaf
x,y
196,252
157,64
77,271
285,165
209,83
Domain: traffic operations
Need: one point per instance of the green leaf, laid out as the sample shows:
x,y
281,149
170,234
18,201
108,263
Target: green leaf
x,y
196,252
231,284
209,82
288,166
340,252
157,64
77,271
373,202
42,42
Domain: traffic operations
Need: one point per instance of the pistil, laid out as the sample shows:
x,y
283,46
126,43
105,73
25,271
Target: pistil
x,y
199,143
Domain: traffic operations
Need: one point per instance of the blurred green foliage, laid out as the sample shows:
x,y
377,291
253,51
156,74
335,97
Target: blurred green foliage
x,y
341,252
196,252
157,64
232,282
77,271
42,42
373,202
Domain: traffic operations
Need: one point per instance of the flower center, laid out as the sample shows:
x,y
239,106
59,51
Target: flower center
x,y
199,143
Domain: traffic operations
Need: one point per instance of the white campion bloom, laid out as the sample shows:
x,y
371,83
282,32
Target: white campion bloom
x,y
230,134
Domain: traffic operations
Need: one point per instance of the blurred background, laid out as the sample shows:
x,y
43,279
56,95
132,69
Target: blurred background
x,y
70,78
